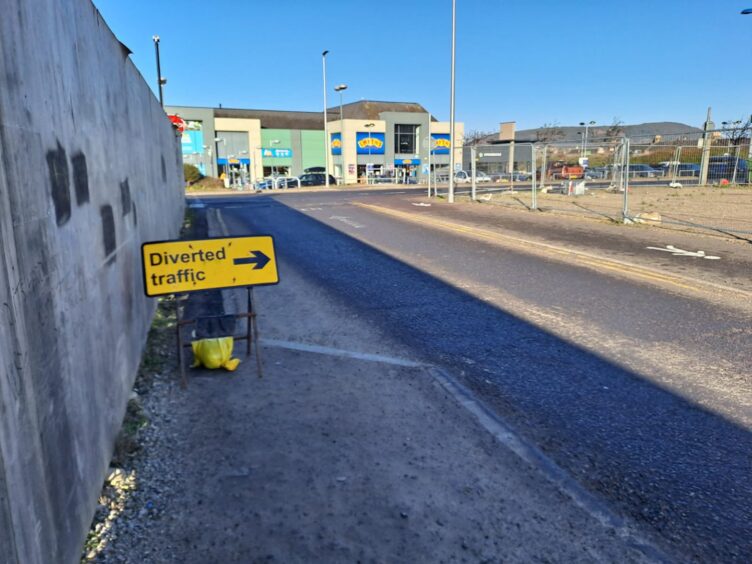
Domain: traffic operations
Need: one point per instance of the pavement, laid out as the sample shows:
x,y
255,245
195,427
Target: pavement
x,y
637,386
350,450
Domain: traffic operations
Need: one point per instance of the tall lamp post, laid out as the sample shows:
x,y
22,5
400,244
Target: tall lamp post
x,y
161,81
326,123
341,88
368,126
584,139
429,144
451,105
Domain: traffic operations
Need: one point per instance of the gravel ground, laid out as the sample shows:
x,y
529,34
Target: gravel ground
x,y
145,472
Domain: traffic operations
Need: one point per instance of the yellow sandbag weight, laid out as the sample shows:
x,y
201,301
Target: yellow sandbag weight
x,y
214,353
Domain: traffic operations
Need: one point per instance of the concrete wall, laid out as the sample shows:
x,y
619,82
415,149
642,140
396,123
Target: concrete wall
x,y
89,168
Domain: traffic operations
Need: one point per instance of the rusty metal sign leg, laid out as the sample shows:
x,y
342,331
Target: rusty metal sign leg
x,y
179,329
252,311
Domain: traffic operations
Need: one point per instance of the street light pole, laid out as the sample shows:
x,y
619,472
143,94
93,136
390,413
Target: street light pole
x,y
451,105
326,124
340,88
160,81
430,150
368,126
584,139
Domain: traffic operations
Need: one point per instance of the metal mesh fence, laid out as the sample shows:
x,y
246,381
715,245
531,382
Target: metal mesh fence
x,y
698,181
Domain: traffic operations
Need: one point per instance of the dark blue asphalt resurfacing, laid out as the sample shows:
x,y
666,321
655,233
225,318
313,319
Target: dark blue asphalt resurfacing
x,y
683,471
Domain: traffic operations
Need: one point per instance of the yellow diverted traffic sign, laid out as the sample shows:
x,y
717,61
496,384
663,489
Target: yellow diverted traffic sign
x,y
176,267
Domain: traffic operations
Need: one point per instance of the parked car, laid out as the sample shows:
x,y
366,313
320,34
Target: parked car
x,y
481,176
560,170
515,176
316,179
463,177
315,169
643,171
597,173
265,184
733,169
682,169
291,182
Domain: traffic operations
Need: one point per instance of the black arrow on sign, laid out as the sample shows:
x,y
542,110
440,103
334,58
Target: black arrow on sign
x,y
257,258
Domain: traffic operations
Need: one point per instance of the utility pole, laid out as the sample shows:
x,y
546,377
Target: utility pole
x,y
706,142
326,126
451,105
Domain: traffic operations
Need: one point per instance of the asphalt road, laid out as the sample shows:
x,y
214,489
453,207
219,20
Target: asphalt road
x,y
641,394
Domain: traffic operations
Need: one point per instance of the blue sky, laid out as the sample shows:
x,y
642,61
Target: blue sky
x,y
532,61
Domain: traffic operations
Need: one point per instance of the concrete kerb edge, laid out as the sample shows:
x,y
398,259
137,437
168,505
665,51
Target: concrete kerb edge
x,y
502,432
552,472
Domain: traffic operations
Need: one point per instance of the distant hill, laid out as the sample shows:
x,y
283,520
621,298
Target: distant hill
x,y
643,132
639,132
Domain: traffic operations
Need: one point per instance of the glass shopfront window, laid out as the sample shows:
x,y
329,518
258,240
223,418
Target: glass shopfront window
x,y
405,138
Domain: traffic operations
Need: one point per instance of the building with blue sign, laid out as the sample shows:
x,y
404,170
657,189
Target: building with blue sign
x,y
374,138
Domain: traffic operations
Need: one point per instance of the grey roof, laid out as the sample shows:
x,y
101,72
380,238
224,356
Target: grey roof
x,y
372,109
571,134
274,119
283,119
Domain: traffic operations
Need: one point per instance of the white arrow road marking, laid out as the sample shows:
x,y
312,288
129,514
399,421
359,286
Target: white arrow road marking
x,y
348,221
682,253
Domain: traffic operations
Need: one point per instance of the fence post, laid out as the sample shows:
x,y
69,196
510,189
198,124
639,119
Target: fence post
x,y
625,180
543,167
534,170
706,143
473,155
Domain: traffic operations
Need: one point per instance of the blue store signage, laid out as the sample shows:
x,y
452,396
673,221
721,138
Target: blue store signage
x,y
440,143
407,161
192,142
336,143
233,160
277,153
370,143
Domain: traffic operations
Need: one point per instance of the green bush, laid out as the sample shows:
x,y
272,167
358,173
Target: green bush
x,y
191,173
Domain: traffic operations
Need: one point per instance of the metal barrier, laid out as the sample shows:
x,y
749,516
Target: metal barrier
x,y
284,179
620,179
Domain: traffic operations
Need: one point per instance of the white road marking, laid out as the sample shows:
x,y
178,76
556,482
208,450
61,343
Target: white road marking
x,y
348,221
682,253
422,204
197,204
319,349
309,209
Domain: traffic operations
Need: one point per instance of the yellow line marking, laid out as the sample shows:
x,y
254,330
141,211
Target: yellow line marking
x,y
582,258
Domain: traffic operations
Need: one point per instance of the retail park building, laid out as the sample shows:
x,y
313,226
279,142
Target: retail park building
x,y
379,138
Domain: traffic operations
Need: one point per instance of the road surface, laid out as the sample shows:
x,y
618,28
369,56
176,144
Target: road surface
x,y
641,392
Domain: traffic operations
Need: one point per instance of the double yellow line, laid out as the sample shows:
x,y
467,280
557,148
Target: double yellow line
x,y
564,255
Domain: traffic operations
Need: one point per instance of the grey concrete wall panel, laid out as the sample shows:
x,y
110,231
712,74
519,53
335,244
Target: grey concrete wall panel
x,y
89,169
415,118
235,144
296,142
493,158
